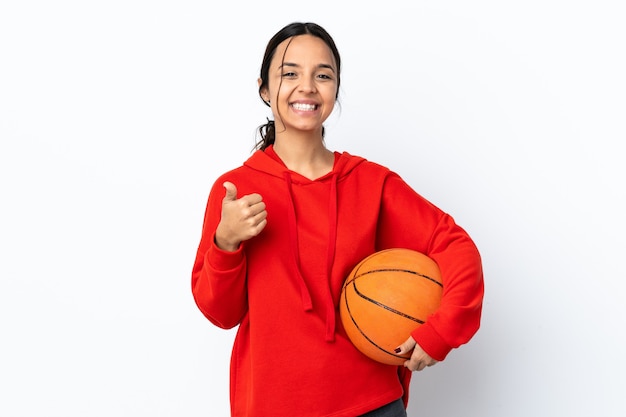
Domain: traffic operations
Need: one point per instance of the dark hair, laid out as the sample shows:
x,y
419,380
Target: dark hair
x,y
267,131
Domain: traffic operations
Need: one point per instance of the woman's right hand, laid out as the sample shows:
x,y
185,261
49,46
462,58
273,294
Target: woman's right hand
x,y
242,218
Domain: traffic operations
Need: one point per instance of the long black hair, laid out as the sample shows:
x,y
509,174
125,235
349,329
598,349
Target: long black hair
x,y
267,131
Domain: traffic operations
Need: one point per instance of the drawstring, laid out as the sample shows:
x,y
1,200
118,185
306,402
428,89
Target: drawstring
x,y
331,315
330,258
293,236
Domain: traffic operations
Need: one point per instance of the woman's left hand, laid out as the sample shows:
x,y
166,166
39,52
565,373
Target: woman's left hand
x,y
419,359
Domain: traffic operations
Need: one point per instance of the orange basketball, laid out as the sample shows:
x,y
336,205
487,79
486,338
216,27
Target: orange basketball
x,y
387,296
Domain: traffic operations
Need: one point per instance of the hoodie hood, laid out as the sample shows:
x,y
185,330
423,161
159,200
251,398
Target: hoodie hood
x,y
269,163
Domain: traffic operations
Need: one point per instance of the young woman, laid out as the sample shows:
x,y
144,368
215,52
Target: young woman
x,y
282,232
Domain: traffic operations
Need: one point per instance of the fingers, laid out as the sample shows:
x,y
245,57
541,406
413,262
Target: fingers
x,y
418,365
248,200
406,347
415,367
242,218
255,216
252,204
231,191
419,358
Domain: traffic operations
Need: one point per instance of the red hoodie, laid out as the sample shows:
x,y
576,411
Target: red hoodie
x,y
291,355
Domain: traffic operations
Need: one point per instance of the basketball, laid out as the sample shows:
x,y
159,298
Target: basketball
x,y
387,296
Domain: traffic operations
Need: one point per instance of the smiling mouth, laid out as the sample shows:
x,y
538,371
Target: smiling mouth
x,y
304,107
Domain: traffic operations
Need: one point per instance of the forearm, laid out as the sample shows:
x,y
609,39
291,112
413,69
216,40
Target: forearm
x,y
458,317
219,286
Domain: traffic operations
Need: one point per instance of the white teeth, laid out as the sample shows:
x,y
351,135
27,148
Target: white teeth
x,y
304,107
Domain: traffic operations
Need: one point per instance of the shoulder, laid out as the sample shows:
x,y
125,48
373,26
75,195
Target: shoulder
x,y
230,175
359,165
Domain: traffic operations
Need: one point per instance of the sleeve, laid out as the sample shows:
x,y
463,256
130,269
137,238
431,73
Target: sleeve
x,y
408,220
218,279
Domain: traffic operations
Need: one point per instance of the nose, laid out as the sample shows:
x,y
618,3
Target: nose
x,y
308,85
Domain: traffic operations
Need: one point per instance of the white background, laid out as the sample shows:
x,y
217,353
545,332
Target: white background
x,y
116,117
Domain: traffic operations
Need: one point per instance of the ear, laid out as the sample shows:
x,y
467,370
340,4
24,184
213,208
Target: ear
x,y
264,94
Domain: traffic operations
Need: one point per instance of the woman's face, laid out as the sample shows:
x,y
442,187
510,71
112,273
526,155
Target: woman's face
x,y
302,84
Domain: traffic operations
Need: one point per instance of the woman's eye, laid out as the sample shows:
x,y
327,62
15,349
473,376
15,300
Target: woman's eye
x,y
325,76
289,74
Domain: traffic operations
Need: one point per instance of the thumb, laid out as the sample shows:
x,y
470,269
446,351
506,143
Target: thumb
x,y
406,347
231,191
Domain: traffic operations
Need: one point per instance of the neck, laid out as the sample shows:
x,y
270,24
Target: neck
x,y
308,157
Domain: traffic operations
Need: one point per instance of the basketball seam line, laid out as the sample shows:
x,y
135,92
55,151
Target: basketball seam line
x,y
399,270
361,331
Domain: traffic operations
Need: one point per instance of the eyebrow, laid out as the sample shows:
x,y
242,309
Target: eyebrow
x,y
292,64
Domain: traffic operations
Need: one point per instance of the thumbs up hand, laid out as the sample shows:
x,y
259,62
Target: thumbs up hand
x,y
242,218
